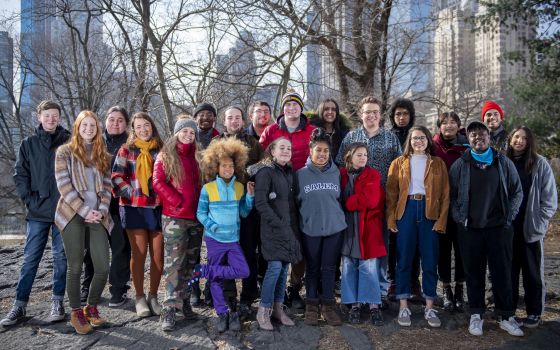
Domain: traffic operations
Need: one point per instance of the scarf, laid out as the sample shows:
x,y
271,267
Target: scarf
x,y
144,163
484,158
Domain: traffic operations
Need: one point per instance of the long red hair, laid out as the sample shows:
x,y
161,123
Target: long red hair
x,y
100,158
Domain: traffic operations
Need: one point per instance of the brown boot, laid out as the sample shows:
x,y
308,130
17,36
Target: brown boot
x,y
311,316
328,310
92,316
263,318
79,322
279,313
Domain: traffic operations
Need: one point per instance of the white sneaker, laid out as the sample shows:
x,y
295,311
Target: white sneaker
x,y
404,317
475,325
511,326
431,317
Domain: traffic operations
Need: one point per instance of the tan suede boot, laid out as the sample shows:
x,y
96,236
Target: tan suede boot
x,y
79,322
279,313
328,310
311,316
263,318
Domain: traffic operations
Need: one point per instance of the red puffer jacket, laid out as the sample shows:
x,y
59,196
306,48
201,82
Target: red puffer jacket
x,y
179,200
369,200
299,138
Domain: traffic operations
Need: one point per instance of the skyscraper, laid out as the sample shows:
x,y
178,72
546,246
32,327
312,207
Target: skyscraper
x,y
6,73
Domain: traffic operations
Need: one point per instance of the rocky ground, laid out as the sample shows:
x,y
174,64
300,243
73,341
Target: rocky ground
x,y
127,331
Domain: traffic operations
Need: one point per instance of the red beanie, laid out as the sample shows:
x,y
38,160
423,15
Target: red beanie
x,y
488,105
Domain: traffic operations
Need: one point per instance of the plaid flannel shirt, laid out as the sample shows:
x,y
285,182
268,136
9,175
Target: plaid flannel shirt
x,y
125,184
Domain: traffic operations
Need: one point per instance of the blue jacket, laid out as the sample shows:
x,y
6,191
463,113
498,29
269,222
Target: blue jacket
x,y
219,207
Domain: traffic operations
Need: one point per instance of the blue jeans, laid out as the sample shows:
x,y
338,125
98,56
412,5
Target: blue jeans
x,y
274,283
416,230
360,281
37,236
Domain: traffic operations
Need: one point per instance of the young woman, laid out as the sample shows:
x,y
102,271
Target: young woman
x,y
363,200
177,182
222,201
140,207
322,221
329,118
540,201
275,202
449,145
82,172
417,206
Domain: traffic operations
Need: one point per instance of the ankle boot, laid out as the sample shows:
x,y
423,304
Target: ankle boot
x,y
448,299
279,313
294,297
328,310
311,316
459,299
263,318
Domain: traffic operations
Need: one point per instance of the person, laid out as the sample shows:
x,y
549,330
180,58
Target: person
x,y
140,208
205,116
485,197
362,245
329,118
449,145
222,201
280,236
83,177
36,186
540,201
115,135
293,125
417,206
249,230
321,222
260,115
493,117
402,116
177,182
383,147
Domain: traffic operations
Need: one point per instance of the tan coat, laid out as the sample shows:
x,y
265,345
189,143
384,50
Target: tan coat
x,y
436,182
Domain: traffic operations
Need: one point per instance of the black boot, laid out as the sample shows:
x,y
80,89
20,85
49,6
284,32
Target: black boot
x,y
195,295
459,301
295,298
223,322
448,300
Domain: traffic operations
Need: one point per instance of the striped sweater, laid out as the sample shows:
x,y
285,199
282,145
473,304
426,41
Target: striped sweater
x,y
71,182
219,208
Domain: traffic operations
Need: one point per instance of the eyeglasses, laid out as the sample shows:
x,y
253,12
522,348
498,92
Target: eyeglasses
x,y
419,138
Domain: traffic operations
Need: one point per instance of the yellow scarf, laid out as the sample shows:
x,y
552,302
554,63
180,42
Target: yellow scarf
x,y
144,163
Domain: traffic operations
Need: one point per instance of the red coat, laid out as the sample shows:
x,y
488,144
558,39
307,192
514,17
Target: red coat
x,y
299,138
369,200
179,200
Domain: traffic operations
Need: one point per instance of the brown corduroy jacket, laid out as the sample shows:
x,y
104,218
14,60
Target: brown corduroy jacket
x,y
436,182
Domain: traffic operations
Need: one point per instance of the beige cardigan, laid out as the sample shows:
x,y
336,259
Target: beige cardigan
x,y
71,202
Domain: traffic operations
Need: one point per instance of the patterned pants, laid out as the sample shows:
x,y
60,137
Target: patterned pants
x,y
182,241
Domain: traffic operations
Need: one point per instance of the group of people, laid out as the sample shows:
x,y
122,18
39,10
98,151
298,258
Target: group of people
x,y
299,202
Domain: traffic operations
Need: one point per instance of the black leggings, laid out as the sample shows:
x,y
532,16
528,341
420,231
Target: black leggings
x,y
321,255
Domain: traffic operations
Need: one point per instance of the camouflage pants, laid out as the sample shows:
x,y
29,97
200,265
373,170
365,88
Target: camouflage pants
x,y
182,241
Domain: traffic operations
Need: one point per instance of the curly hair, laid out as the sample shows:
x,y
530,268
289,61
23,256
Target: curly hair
x,y
99,156
220,149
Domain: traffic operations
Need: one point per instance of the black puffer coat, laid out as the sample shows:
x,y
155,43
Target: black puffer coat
x,y
34,173
275,201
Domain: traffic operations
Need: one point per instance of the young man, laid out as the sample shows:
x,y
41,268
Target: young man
x,y
205,117
249,233
485,196
36,186
259,116
493,117
383,147
293,125
116,123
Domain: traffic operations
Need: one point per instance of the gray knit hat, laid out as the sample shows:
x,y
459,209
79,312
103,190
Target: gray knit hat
x,y
184,123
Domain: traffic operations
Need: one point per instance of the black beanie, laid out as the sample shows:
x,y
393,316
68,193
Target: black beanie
x,y
205,106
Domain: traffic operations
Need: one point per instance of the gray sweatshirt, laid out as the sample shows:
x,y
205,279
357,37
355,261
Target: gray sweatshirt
x,y
542,202
318,196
